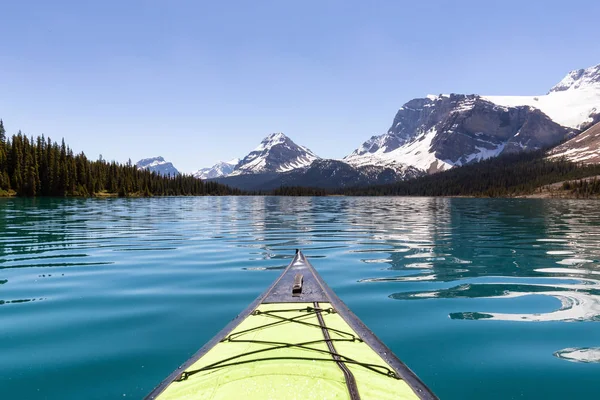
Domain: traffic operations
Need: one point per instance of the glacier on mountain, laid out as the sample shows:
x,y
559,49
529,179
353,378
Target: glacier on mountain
x,y
572,102
438,132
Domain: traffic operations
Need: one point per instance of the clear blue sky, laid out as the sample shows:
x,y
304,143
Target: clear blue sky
x,y
202,81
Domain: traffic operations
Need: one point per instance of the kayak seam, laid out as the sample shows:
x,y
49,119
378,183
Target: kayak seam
x,y
348,375
403,372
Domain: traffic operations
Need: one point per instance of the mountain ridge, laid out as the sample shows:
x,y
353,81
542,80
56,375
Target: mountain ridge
x,y
158,165
276,153
221,168
436,133
577,78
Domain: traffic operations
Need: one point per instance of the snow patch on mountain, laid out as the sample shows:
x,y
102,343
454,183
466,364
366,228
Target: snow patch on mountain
x,y
416,152
481,154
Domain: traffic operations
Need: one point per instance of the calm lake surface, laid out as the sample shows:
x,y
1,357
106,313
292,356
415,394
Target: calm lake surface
x,y
495,299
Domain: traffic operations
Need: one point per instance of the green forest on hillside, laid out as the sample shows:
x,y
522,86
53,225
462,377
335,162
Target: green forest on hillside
x,y
40,167
583,188
504,176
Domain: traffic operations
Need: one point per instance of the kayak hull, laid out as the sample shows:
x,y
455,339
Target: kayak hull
x,y
294,343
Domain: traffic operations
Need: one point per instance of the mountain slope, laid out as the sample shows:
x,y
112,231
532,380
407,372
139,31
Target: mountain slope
x,y
579,79
327,173
322,173
158,165
513,174
582,148
438,132
276,153
222,168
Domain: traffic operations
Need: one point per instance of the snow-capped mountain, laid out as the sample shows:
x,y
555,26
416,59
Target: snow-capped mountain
x,y
222,168
276,153
572,102
584,147
439,132
579,79
158,165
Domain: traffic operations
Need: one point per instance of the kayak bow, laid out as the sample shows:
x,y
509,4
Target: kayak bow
x,y
297,340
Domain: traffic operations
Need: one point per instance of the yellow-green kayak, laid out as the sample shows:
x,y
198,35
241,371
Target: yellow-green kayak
x,y
298,340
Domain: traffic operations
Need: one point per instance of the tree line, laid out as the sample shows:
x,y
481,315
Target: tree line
x,y
40,167
299,191
503,176
583,187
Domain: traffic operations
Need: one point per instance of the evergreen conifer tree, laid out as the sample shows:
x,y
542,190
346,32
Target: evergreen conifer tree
x,y
40,167
4,181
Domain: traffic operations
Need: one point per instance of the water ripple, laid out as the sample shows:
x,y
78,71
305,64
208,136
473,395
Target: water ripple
x,y
98,289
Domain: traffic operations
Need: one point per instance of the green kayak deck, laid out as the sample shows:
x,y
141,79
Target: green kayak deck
x,y
298,340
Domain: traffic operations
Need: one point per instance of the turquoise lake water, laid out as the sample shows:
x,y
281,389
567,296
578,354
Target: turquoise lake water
x,y
494,299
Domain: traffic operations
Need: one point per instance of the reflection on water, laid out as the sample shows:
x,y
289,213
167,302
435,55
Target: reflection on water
x,y
454,244
574,307
579,301
582,354
507,255
83,283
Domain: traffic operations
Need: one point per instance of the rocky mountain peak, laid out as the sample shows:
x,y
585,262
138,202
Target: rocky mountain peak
x,y
220,169
275,153
158,165
272,140
579,79
150,160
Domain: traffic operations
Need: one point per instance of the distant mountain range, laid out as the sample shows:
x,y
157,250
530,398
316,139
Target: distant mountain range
x,y
276,154
222,168
278,161
431,134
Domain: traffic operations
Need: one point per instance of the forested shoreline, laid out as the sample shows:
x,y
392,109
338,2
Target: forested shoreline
x,y
583,188
40,167
505,176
